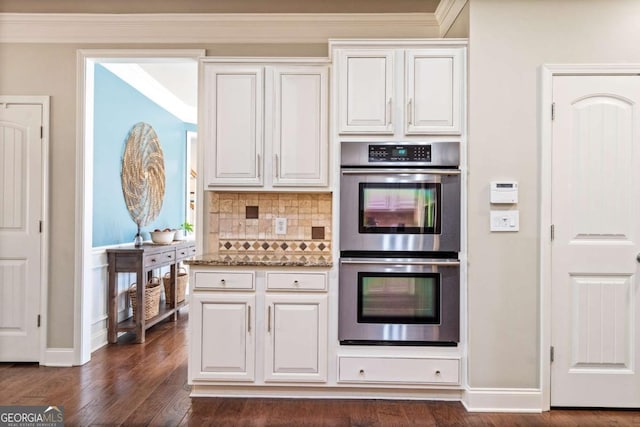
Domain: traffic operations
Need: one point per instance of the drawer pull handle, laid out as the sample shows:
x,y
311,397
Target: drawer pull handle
x,y
361,372
249,319
437,373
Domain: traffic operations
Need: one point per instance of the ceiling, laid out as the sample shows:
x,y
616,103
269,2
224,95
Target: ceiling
x,y
172,84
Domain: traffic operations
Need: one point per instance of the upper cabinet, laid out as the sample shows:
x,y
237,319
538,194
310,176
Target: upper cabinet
x,y
365,91
399,91
265,125
233,124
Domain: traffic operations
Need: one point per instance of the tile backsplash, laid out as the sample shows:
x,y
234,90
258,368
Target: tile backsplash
x,y
247,221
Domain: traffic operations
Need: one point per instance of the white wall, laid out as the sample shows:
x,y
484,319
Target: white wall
x,y
509,40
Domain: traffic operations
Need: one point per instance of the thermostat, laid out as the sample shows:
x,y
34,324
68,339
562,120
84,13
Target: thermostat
x,y
504,192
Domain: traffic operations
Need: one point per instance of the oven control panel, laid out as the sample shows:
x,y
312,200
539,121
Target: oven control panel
x,y
399,153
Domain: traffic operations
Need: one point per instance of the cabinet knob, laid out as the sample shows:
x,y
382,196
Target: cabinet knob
x,y
437,373
296,283
361,372
223,282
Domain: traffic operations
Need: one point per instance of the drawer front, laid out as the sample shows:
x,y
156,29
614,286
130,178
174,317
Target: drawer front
x,y
159,259
297,281
399,370
224,280
184,253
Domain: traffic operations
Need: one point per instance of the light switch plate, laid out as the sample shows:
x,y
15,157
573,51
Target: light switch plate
x,y
281,225
505,220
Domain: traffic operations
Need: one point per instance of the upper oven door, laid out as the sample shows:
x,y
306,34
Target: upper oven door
x,y
399,210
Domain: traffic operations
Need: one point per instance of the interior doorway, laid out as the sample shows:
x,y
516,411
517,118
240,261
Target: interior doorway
x,y
591,201
85,300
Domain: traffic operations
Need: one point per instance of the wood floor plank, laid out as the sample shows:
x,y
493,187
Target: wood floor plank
x,y
132,384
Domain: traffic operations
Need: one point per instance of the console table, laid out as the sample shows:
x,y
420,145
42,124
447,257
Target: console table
x,y
142,260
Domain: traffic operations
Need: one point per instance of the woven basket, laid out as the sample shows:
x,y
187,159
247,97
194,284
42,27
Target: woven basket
x,y
151,298
183,280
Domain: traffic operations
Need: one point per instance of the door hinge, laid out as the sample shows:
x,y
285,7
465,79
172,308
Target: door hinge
x,y
40,226
553,232
553,111
41,132
552,354
38,320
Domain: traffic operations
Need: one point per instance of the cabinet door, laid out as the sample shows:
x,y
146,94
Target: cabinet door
x,y
365,91
296,344
434,91
222,337
299,134
232,123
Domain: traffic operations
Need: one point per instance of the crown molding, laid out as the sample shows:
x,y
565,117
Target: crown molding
x,y
447,12
211,28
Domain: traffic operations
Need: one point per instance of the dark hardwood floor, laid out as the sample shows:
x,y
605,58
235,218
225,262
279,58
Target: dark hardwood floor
x,y
146,384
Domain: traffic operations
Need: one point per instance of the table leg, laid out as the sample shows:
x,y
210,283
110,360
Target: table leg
x,y
140,294
112,307
174,285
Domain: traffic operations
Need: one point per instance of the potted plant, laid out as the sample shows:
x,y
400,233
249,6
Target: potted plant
x,y
185,228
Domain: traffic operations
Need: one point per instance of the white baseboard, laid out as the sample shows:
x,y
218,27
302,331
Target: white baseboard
x,y
503,400
58,357
98,339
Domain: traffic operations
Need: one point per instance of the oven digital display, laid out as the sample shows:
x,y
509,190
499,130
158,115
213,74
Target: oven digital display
x,y
400,153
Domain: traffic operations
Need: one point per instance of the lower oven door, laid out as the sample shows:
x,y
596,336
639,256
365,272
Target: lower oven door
x,y
393,301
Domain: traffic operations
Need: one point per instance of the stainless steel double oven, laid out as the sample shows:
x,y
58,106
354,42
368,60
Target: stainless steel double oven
x,y
399,279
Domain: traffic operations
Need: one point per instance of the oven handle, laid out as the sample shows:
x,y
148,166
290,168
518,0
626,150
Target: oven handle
x,y
400,171
436,262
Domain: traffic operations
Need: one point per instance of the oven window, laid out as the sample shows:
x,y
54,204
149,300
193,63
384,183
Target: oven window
x,y
399,298
404,208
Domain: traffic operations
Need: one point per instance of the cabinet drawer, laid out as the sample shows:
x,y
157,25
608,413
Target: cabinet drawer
x,y
297,281
403,370
159,259
224,280
185,252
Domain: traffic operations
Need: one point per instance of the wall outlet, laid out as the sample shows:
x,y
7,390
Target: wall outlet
x,y
281,225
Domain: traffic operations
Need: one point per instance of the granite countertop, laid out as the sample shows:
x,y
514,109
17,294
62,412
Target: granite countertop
x,y
264,260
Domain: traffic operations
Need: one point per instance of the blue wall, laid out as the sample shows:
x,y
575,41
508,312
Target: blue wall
x,y
118,107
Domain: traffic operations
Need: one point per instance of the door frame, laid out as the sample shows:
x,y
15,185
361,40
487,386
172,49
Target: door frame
x,y
44,102
545,99
84,178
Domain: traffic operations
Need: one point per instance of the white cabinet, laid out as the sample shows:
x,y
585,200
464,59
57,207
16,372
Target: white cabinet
x,y
265,125
296,344
366,91
297,129
400,91
222,337
433,96
233,124
285,337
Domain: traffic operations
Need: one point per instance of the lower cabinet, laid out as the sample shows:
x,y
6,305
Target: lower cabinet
x,y
222,337
296,344
284,331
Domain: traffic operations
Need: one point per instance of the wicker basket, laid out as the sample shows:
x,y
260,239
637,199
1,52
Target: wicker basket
x,y
183,280
151,298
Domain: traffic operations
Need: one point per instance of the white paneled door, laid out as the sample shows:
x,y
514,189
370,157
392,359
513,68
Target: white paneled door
x,y
596,244
21,189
